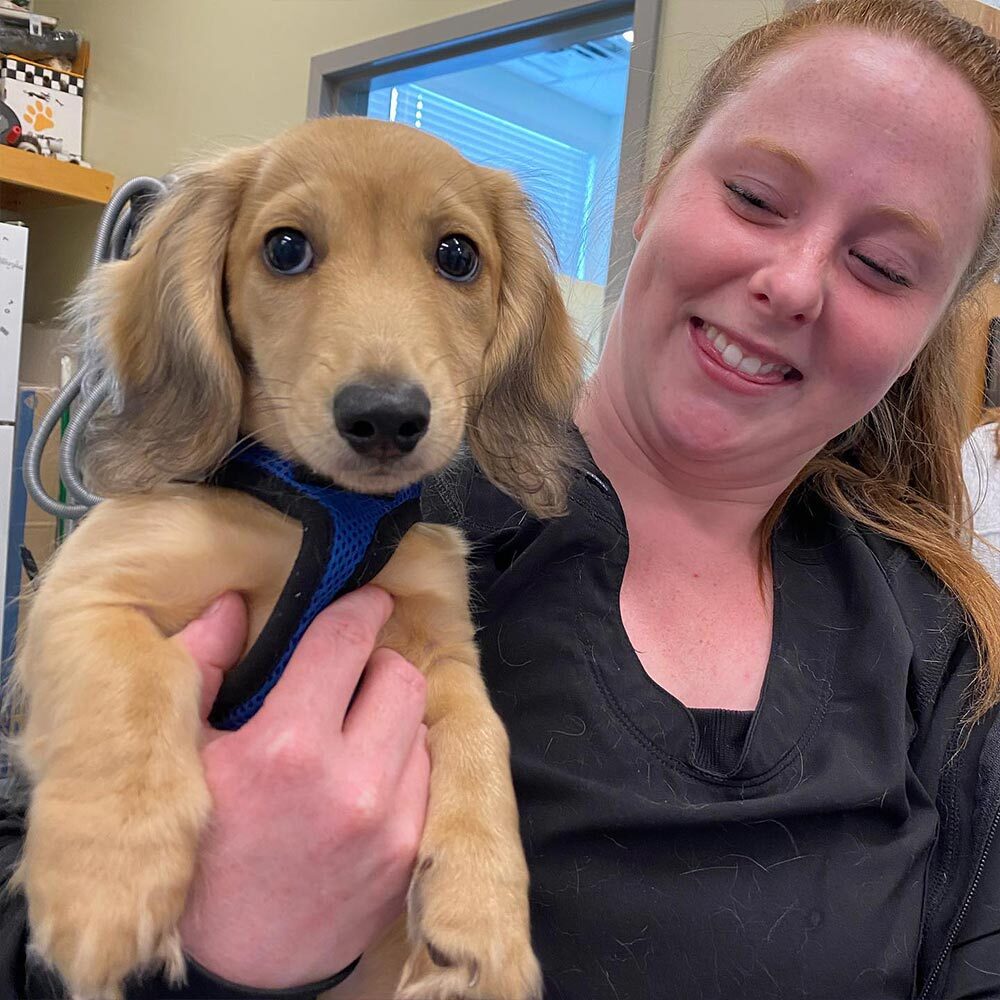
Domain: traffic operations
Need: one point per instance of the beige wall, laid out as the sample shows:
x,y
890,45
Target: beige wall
x,y
170,78
692,34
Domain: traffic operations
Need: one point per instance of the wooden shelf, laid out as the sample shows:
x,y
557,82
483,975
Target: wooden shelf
x,y
28,179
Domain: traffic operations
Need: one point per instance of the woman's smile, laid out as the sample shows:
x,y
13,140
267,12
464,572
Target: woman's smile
x,y
735,363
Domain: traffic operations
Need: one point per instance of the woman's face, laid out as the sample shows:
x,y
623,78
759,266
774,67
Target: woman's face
x,y
800,251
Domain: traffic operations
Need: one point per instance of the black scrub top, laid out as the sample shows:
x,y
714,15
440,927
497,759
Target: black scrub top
x,y
715,854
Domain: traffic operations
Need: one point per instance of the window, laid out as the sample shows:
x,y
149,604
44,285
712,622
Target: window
x,y
558,177
549,90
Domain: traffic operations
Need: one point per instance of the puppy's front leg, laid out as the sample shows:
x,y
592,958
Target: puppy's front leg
x,y
111,725
119,799
468,916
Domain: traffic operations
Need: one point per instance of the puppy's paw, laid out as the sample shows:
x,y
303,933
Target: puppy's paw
x,y
469,937
105,887
94,959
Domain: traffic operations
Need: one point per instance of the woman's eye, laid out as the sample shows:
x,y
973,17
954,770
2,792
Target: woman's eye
x,y
886,272
457,258
287,251
749,198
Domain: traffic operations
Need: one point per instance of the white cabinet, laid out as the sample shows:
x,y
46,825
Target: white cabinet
x,y
6,468
13,260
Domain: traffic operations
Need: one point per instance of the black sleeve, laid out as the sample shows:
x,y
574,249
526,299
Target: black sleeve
x,y
202,985
974,967
22,976
961,766
463,497
13,911
444,497
974,970
493,524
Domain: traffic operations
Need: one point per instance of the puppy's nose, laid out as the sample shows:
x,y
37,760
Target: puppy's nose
x,y
385,419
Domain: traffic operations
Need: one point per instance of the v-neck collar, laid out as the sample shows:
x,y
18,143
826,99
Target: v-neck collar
x,y
803,675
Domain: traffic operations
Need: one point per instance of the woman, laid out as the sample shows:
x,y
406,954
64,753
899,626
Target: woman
x,y
751,677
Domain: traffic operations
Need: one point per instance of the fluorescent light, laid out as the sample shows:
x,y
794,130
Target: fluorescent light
x,y
628,35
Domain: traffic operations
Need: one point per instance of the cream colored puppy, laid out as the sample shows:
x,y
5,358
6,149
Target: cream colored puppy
x,y
270,283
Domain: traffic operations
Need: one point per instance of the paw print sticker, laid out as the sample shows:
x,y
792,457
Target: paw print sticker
x,y
38,116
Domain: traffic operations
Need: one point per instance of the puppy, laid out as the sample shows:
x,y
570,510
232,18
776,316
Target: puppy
x,y
345,257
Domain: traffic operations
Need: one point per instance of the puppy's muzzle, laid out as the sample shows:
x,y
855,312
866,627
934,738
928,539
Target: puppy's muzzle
x,y
382,420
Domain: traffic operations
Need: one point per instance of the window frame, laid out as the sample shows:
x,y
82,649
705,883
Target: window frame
x,y
339,80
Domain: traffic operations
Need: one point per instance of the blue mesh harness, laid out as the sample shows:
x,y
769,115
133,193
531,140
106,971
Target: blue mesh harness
x,y
346,540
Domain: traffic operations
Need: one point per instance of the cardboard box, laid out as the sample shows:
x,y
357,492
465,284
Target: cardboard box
x,y
48,102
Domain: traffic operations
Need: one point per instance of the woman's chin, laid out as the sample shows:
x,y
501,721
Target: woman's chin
x,y
703,433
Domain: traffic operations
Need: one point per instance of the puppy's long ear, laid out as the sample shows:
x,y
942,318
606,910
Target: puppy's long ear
x,y
160,321
519,423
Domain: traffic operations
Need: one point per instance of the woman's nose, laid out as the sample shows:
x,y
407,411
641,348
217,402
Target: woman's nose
x,y
790,290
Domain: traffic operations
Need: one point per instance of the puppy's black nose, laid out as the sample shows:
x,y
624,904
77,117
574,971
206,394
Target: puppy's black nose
x,y
382,419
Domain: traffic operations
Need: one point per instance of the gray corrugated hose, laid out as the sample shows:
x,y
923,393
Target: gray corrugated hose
x,y
91,381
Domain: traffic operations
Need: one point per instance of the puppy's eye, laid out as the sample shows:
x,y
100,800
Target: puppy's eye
x,y
287,251
457,258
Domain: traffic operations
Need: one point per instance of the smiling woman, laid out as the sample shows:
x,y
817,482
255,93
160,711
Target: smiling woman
x,y
750,625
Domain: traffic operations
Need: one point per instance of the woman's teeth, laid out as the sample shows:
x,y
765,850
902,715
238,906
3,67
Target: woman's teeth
x,y
733,357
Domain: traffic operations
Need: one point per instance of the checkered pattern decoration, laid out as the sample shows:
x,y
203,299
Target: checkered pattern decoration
x,y
42,76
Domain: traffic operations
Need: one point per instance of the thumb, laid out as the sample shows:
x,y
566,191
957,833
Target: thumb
x,y
215,640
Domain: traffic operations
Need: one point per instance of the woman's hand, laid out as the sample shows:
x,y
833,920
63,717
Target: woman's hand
x,y
319,802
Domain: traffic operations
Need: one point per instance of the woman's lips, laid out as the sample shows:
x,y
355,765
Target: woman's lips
x,y
742,359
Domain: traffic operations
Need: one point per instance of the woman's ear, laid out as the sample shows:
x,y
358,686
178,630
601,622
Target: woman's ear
x,y
639,226
650,194
160,320
519,425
